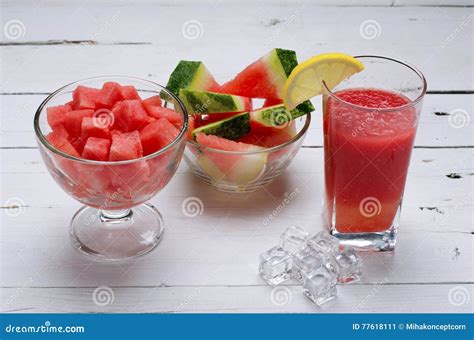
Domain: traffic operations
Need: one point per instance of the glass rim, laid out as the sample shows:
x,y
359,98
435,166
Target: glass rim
x,y
387,109
298,136
41,137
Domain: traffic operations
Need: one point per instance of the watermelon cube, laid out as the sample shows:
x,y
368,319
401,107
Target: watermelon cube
x,y
175,118
96,149
110,93
157,135
125,146
94,127
85,97
129,92
72,121
129,115
151,102
55,115
61,143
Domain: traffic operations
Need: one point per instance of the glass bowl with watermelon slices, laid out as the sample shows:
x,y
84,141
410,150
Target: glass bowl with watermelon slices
x,y
241,136
112,143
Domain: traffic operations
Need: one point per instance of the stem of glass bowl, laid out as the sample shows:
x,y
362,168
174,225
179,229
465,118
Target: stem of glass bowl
x,y
111,216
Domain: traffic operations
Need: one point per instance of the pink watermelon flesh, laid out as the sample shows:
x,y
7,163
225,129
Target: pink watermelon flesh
x,y
85,97
125,146
219,143
55,115
129,92
253,82
152,102
272,102
96,149
175,118
129,115
110,94
267,140
94,127
157,135
61,143
72,121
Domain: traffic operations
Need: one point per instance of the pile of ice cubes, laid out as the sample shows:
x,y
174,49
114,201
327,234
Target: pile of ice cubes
x,y
317,262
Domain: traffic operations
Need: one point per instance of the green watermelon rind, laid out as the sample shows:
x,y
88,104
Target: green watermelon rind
x,y
189,75
277,115
231,128
201,102
287,59
280,63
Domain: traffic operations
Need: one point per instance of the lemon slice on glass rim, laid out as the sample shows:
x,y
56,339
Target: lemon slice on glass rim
x,y
306,79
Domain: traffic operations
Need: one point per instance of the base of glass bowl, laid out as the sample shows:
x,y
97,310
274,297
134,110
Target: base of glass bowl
x,y
116,235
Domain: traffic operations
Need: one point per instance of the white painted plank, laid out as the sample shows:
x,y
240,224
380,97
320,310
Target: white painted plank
x,y
17,121
259,299
434,245
437,40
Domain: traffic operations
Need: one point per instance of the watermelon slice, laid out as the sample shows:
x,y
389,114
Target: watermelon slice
x,y
200,102
277,116
72,121
61,143
270,137
96,149
157,135
238,169
129,115
191,75
94,127
125,146
265,77
175,118
230,128
85,97
272,102
56,114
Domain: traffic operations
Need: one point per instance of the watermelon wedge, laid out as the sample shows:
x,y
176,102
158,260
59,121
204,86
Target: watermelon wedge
x,y
230,128
265,77
277,116
200,102
191,75
238,169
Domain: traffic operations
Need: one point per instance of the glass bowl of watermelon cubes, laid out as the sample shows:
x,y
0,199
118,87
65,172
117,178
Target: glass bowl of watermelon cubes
x,y
112,143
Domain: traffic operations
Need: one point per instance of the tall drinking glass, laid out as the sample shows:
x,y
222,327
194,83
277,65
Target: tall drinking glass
x,y
370,122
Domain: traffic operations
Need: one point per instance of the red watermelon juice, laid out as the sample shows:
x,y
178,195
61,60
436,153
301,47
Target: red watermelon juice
x,y
368,138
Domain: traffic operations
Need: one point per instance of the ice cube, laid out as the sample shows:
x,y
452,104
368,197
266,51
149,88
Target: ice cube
x,y
275,265
306,260
294,239
319,285
349,265
325,242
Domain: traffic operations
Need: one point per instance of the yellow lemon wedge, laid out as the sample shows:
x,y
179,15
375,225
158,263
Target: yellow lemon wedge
x,y
306,79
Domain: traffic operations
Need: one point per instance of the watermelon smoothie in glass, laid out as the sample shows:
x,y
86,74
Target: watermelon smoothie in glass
x,y
116,222
370,123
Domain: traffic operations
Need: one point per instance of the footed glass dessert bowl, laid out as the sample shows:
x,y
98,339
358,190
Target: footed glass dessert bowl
x,y
110,161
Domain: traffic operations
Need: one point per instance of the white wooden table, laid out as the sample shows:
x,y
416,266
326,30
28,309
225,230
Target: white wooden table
x,y
208,263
